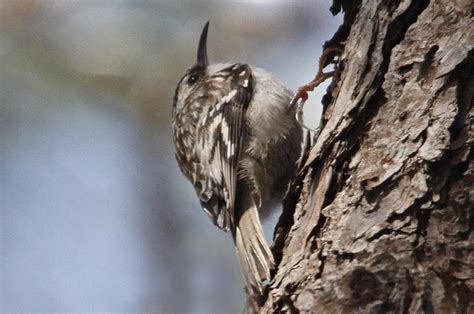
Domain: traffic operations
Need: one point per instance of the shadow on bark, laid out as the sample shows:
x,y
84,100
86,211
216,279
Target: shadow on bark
x,y
380,217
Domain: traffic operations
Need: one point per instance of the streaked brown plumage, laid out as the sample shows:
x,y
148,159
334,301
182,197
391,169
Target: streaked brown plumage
x,y
237,141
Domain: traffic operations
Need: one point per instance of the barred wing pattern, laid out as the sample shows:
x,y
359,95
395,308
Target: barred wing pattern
x,y
219,148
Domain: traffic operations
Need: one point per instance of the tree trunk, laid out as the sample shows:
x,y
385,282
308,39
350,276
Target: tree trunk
x,y
380,217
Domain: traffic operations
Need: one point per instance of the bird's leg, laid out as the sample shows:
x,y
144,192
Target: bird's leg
x,y
301,94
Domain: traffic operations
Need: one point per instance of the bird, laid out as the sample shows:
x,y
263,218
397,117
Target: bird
x,y
237,141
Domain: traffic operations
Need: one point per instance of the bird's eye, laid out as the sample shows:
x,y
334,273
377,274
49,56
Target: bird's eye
x,y
193,79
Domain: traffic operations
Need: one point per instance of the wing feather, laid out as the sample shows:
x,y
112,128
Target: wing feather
x,y
233,129
227,125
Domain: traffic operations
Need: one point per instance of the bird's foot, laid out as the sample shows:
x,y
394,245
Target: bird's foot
x,y
329,56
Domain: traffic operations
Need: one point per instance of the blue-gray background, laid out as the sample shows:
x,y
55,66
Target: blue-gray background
x,y
95,215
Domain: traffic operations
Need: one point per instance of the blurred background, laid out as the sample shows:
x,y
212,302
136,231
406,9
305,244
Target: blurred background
x,y
95,214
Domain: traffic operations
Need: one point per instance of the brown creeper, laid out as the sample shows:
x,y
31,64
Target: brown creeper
x,y
237,141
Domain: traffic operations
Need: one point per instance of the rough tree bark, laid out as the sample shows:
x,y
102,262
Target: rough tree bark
x,y
380,218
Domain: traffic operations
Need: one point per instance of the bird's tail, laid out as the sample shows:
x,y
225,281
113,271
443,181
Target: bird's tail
x,y
255,256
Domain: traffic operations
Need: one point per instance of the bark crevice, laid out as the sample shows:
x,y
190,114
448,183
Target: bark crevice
x,y
380,215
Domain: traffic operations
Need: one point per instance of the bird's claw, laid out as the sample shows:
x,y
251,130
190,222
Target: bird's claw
x,y
329,56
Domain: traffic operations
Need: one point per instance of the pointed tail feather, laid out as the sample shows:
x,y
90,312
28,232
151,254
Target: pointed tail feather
x,y
255,256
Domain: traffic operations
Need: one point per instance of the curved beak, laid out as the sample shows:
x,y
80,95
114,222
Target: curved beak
x,y
202,48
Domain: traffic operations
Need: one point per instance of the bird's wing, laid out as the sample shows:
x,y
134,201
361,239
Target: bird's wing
x,y
226,124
